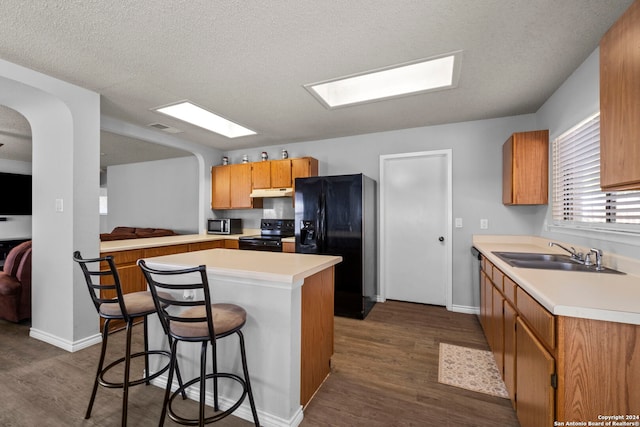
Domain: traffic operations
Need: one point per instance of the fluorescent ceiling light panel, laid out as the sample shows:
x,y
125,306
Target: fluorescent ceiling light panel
x,y
406,79
191,113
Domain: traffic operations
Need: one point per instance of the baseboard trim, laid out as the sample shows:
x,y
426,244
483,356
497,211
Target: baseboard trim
x,y
70,346
244,411
465,309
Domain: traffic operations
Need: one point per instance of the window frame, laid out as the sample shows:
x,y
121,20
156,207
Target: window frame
x,y
562,215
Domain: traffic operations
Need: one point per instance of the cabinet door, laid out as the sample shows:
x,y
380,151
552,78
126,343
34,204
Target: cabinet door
x,y
261,174
509,376
620,103
231,244
487,308
303,168
220,187
240,186
497,329
281,173
485,303
201,246
525,168
535,394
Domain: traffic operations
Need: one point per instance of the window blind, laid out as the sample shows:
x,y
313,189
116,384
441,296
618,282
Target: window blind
x,y
577,197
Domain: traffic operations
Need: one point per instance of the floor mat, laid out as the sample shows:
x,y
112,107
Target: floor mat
x,y
470,369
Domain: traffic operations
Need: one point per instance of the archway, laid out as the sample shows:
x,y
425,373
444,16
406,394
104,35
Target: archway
x,y
65,123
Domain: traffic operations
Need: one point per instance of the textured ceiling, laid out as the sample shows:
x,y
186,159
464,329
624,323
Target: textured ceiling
x,y
248,60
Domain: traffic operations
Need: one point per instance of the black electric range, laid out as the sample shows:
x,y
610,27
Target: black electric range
x,y
272,231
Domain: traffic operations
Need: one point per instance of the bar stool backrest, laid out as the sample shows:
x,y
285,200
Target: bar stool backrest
x,y
193,290
103,285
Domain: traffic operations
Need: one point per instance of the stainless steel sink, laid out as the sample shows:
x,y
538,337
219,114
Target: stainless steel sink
x,y
548,262
528,256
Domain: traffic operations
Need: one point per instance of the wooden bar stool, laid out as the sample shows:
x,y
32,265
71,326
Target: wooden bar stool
x,y
106,293
197,320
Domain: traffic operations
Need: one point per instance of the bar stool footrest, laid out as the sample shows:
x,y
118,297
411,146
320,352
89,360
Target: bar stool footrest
x,y
219,415
145,379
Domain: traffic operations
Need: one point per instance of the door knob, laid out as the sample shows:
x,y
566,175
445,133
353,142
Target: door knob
x,y
441,239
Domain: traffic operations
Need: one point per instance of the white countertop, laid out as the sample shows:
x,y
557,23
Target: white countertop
x,y
256,265
600,296
150,242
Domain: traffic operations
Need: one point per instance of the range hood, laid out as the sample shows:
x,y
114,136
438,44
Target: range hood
x,y
272,192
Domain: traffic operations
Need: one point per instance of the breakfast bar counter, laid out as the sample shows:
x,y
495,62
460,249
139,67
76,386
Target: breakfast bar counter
x,y
289,331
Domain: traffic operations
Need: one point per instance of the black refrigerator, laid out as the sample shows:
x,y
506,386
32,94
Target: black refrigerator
x,y
336,215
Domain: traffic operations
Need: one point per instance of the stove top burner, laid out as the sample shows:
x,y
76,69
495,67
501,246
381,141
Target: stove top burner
x,y
277,227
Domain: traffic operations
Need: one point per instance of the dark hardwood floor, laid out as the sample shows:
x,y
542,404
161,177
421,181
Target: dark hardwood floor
x,y
384,373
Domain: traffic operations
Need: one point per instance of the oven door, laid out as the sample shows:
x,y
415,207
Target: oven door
x,y
270,245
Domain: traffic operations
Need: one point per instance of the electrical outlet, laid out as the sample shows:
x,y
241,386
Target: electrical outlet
x,y
458,222
484,224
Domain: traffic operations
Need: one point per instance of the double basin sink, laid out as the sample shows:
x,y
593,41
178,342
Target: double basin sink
x,y
549,262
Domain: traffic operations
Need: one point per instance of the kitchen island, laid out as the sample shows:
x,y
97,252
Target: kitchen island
x,y
288,334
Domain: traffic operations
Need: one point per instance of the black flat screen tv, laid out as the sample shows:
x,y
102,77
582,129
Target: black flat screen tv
x,y
15,194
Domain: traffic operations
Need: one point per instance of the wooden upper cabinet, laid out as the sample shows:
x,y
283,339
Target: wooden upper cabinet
x,y
303,168
231,187
525,168
261,174
620,103
240,186
220,187
281,173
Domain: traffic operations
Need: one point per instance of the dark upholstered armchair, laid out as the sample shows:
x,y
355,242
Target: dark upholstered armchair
x,y
15,284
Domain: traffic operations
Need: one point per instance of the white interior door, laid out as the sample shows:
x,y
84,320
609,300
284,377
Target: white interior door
x,y
415,198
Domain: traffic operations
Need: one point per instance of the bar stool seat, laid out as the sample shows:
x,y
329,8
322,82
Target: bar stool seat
x,y
126,307
198,320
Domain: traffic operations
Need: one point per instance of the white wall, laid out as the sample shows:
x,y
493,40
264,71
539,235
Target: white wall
x,y
16,226
477,177
158,194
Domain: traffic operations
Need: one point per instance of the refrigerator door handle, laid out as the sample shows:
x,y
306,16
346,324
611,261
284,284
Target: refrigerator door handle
x,y
321,223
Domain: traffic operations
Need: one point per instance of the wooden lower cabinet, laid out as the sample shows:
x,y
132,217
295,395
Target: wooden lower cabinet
x,y
497,328
509,356
131,277
231,244
201,246
288,247
316,332
557,368
535,367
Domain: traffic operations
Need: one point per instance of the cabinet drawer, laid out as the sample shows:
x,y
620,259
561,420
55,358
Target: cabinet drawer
x,y
165,250
497,278
540,320
122,257
510,290
201,246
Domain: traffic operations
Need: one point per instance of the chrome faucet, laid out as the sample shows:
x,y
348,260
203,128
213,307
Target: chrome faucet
x,y
598,254
578,256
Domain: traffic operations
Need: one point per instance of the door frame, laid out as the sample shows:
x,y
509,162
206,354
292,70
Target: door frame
x,y
447,154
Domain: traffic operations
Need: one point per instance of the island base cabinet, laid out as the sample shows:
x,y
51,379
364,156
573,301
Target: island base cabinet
x,y
317,333
535,368
598,369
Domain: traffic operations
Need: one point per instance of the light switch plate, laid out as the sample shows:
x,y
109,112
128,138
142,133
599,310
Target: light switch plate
x,y
458,222
484,224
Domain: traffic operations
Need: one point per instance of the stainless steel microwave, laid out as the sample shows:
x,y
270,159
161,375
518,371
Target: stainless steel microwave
x,y
224,226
